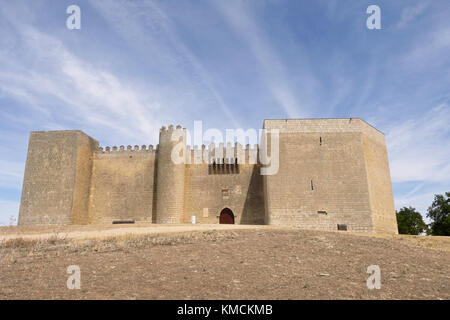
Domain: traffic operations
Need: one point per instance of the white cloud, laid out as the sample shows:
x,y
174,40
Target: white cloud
x,y
431,47
412,12
11,174
419,149
147,27
89,95
239,17
420,202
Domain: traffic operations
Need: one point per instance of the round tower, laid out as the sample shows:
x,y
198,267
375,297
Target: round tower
x,y
171,157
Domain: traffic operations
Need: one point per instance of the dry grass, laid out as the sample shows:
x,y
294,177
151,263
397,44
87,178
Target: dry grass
x,y
18,247
59,239
429,242
18,243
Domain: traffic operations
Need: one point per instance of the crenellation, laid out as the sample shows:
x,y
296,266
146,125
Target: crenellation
x,y
129,149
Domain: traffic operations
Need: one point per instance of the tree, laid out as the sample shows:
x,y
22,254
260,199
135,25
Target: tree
x,y
439,213
410,221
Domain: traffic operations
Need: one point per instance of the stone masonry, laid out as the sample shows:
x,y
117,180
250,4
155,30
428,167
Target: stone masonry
x,y
331,172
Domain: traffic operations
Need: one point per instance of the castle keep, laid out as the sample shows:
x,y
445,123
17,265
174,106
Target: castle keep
x,y
333,174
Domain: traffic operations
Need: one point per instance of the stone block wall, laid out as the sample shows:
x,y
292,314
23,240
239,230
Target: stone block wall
x,y
210,189
57,177
123,185
328,177
379,181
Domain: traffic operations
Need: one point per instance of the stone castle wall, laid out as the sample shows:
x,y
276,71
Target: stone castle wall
x,y
379,182
221,177
123,185
211,189
332,171
57,178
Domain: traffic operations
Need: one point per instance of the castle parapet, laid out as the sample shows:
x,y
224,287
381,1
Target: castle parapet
x,y
222,154
129,149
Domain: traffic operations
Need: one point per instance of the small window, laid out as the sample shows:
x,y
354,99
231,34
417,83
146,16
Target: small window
x,y
320,140
342,227
312,185
322,212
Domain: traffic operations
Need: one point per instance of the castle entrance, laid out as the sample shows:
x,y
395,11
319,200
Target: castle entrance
x,y
226,216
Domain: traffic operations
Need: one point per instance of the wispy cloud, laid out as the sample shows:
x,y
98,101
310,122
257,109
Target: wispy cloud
x,y
11,174
428,50
88,95
410,13
153,31
274,71
421,202
419,148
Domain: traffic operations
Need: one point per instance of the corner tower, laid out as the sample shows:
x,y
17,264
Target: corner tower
x,y
170,175
57,178
334,174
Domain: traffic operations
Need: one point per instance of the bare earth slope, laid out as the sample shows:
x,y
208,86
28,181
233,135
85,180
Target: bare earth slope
x,y
221,263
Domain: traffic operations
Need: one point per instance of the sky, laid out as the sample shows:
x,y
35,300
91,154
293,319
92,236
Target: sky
x,y
137,65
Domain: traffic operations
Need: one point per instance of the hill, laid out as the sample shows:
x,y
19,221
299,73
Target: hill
x,y
218,262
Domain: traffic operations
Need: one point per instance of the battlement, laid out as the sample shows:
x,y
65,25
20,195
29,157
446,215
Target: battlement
x,y
129,149
212,154
171,128
223,154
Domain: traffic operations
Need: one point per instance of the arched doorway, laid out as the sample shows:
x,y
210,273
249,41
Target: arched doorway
x,y
226,216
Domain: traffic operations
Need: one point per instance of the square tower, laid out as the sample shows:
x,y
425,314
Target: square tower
x,y
332,172
57,178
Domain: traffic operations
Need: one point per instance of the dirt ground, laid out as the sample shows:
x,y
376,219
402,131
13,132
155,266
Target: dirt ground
x,y
222,263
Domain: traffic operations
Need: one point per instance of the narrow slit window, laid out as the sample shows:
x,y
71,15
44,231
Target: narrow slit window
x,y
320,139
312,185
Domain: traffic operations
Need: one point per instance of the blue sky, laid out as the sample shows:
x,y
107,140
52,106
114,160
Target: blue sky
x,y
137,65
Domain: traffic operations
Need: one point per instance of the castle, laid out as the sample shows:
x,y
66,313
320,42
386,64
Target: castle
x,y
333,175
